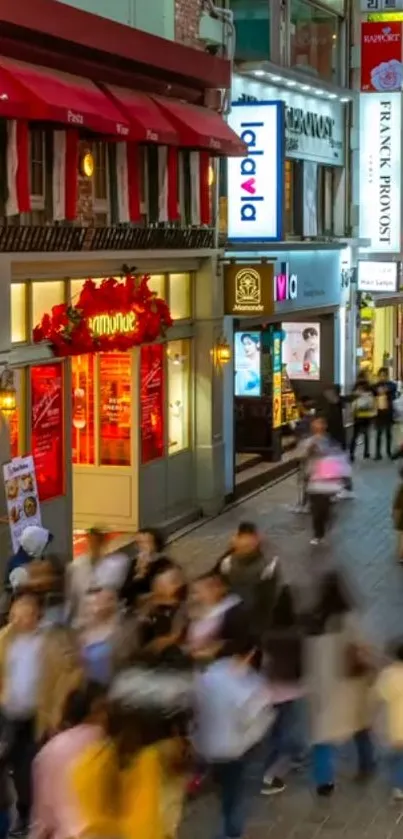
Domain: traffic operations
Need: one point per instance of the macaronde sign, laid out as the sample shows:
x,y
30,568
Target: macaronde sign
x,y
314,128
380,171
256,182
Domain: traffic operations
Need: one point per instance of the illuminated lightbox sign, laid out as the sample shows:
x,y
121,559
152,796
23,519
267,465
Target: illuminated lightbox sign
x,y
112,324
380,170
377,276
256,182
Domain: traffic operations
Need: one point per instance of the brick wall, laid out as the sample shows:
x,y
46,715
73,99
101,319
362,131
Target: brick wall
x,y
187,16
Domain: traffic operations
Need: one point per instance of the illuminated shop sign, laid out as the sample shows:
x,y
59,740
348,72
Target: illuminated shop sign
x,y
285,285
112,324
256,182
377,276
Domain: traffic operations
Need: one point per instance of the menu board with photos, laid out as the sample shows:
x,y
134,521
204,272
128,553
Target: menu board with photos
x,y
115,408
22,499
47,429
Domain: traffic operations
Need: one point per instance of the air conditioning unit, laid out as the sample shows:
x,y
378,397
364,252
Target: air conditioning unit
x,y
211,31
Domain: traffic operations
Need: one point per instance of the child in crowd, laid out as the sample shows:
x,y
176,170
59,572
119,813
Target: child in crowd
x,y
398,515
389,688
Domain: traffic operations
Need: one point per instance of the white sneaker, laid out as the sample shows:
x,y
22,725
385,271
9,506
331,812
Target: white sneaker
x,y
315,541
346,495
397,794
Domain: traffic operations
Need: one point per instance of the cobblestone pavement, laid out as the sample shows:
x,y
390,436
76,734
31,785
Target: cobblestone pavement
x,y
364,544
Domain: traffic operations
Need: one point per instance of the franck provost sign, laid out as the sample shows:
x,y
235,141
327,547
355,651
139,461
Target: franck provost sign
x,y
314,128
380,170
256,182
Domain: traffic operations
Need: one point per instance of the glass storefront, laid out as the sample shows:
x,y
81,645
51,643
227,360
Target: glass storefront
x,y
314,40
127,409
252,25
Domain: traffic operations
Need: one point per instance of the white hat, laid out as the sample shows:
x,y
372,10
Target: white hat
x,y
34,539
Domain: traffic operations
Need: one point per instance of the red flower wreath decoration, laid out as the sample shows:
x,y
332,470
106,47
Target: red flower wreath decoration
x,y
112,316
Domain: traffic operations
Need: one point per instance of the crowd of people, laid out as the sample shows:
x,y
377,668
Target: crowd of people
x,y
127,684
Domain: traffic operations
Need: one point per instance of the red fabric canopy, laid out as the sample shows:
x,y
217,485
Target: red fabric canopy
x,y
148,123
59,97
14,101
202,128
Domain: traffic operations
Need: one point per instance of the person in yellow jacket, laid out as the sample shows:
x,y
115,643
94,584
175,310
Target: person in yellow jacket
x,y
134,785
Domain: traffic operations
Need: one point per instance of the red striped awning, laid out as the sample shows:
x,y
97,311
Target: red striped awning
x,y
148,123
52,96
202,128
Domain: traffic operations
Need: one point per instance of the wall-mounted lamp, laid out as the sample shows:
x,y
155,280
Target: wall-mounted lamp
x,y
211,175
222,351
8,395
87,164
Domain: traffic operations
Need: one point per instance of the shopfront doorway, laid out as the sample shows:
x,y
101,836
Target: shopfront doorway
x,y
104,443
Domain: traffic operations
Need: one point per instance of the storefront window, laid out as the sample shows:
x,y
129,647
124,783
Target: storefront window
x,y
47,429
152,402
178,353
17,420
77,285
157,284
115,408
83,414
44,297
252,25
179,296
314,40
18,313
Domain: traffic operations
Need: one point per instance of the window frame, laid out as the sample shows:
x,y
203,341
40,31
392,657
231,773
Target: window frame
x,y
38,200
338,73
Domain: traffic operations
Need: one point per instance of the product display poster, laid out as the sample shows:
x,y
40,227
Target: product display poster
x,y
248,377
21,496
301,350
47,429
152,402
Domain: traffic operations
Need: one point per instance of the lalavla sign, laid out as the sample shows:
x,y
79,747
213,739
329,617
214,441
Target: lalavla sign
x,y
314,128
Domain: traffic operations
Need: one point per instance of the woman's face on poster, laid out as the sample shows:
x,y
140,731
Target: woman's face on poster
x,y
250,346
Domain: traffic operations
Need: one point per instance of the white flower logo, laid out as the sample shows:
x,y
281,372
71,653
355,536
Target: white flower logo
x,y
388,75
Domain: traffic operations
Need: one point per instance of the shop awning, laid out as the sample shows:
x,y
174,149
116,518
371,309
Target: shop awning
x,y
202,128
148,123
59,97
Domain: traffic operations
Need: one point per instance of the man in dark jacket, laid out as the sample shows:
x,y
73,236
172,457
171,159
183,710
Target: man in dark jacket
x,y
385,393
251,574
333,405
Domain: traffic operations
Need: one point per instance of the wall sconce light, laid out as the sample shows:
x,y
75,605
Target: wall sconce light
x,y
222,351
87,164
8,395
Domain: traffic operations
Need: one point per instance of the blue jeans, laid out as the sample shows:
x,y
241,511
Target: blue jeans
x,y
324,757
284,737
396,768
4,824
230,779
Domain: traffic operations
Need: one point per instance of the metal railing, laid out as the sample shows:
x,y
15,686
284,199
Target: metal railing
x,y
38,239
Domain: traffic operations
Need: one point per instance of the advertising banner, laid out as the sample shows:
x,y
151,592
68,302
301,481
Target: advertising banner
x,y
256,182
22,498
152,402
301,350
380,171
277,381
248,375
47,429
381,56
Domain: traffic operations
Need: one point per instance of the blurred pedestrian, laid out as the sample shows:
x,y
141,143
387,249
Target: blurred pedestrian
x,y
334,404
325,472
252,573
398,515
302,432
148,560
389,688
219,615
96,569
56,810
339,679
233,713
385,392
283,662
364,410
5,790
163,618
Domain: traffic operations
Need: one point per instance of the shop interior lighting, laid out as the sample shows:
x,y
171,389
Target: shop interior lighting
x,y
303,86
